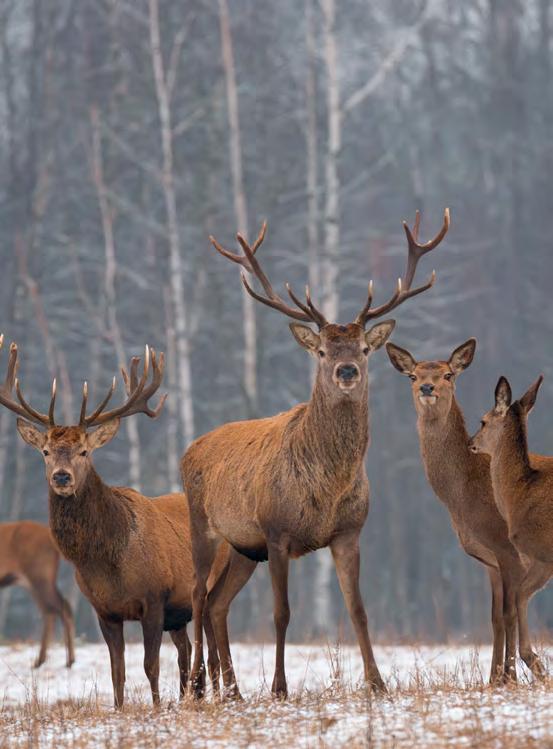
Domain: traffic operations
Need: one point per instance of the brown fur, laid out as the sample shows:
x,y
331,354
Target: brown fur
x,y
29,557
461,480
283,486
132,553
523,481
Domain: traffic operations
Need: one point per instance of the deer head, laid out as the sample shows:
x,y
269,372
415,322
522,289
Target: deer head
x,y
432,382
493,422
342,351
67,450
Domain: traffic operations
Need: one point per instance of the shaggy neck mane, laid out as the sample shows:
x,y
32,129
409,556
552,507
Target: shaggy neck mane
x,y
91,527
328,442
510,461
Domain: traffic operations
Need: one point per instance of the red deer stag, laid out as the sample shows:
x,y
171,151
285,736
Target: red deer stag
x,y
28,557
522,481
461,480
280,487
132,553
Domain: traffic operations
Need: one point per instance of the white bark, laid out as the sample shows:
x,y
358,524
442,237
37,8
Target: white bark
x,y
312,176
186,411
110,262
171,406
334,143
240,205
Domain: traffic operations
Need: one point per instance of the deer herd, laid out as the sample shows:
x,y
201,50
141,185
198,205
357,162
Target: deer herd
x,y
274,489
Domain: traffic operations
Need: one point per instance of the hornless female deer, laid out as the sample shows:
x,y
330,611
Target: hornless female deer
x,y
28,557
280,487
132,553
522,482
461,480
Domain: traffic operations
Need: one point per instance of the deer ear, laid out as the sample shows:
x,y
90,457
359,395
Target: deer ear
x,y
31,434
401,359
503,396
529,398
305,336
101,436
379,334
462,357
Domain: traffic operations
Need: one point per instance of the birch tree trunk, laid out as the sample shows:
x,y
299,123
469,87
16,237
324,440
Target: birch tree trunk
x,y
240,205
114,329
311,142
329,266
334,143
171,405
180,313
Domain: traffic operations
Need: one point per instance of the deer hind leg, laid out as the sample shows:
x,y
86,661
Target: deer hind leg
x,y
48,625
235,575
511,627
535,580
203,554
213,663
278,568
113,635
184,649
152,630
345,551
498,626
47,599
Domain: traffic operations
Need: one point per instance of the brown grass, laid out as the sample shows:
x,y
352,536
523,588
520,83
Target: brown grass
x,y
451,707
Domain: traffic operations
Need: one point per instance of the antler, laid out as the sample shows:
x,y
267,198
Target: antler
x,y
307,311
23,408
138,392
403,290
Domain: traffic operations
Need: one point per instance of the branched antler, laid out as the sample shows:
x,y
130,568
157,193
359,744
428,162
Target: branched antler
x,y
307,312
137,389
403,290
20,406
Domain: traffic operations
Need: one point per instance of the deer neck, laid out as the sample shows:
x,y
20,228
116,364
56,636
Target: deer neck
x,y
91,527
332,439
510,465
445,453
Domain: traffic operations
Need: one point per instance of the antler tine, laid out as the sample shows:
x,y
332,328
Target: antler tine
x,y
306,312
52,406
277,303
138,391
360,319
403,289
87,420
417,250
7,400
28,411
310,310
82,415
234,257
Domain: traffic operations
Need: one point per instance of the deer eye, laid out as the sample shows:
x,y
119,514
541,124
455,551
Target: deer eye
x,y
366,350
412,377
448,376
45,452
322,354
84,453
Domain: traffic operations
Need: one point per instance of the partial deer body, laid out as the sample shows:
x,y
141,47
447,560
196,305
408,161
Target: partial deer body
x,y
131,553
280,487
29,557
522,481
462,481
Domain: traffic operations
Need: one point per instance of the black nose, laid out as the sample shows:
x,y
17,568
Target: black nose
x,y
427,389
347,371
62,478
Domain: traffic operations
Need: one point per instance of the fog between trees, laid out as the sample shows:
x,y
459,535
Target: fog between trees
x,y
130,131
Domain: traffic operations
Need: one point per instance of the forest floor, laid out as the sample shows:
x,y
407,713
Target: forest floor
x,y
438,696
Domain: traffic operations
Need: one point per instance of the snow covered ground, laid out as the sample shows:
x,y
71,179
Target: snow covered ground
x,y
438,696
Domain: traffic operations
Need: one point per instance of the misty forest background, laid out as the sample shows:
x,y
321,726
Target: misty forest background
x,y
132,129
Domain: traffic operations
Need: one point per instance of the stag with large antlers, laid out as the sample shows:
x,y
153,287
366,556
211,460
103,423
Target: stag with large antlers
x,y
281,487
132,553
